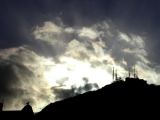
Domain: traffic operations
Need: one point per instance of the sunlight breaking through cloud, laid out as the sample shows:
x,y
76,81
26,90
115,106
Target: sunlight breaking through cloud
x,y
79,52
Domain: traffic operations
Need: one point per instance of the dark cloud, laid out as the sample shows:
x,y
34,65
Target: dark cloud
x,y
19,17
22,15
19,82
61,93
10,80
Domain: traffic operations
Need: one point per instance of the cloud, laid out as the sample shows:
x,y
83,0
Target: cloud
x,y
61,93
124,37
48,32
53,38
102,45
20,81
66,55
67,45
88,32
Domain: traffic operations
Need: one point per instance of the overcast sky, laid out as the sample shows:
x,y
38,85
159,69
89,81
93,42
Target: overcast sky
x,y
74,44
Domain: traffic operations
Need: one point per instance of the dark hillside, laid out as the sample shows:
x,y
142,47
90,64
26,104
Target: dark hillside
x,y
133,98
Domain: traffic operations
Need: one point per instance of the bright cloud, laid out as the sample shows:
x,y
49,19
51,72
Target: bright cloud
x,y
88,32
102,43
88,52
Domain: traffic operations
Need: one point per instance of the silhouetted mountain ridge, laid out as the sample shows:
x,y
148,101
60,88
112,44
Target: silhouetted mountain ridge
x,y
133,97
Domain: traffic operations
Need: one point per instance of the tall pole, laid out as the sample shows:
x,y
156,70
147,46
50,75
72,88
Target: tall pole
x,y
134,72
129,72
116,75
113,73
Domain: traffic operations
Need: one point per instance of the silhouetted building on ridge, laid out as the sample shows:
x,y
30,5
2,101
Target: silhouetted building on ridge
x,y
25,114
131,79
27,109
135,81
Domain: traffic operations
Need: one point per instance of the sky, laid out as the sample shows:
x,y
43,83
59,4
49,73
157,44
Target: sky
x,y
54,49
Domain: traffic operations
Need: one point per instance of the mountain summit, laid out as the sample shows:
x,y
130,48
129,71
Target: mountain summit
x,y
132,97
